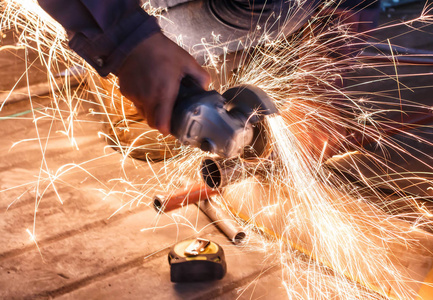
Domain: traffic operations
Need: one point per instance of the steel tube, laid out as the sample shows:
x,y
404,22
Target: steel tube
x,y
219,172
181,197
223,221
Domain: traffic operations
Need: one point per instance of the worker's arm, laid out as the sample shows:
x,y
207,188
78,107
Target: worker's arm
x,y
117,36
103,32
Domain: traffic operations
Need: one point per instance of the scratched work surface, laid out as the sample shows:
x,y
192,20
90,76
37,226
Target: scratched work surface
x,y
82,252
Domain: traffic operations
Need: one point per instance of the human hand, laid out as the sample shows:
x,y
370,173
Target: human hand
x,y
150,77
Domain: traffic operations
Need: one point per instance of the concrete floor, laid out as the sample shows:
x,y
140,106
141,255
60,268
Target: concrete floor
x,y
82,253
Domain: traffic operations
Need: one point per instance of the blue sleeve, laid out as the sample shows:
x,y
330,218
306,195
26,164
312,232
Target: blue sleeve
x,y
103,32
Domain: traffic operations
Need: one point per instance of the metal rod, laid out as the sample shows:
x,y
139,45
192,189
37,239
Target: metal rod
x,y
184,196
200,193
223,221
219,172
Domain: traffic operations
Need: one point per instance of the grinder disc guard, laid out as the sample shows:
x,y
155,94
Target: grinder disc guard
x,y
255,104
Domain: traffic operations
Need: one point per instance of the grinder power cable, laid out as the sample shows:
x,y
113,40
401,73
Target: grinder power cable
x,y
228,124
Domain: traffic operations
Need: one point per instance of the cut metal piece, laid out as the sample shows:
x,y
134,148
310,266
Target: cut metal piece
x,y
218,172
182,197
223,221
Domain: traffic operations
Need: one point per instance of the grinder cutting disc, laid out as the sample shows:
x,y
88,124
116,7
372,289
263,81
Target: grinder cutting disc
x,y
196,260
256,104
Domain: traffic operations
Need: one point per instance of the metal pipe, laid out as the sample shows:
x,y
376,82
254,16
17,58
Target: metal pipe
x,y
184,196
199,193
223,221
218,172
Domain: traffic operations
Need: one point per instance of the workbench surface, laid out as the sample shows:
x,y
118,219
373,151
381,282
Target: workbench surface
x,y
81,243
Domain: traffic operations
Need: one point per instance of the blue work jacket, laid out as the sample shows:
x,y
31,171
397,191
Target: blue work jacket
x,y
103,32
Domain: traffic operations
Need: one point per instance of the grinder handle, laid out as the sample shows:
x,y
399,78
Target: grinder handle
x,y
188,87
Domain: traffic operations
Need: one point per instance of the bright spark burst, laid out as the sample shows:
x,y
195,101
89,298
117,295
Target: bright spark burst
x,y
334,238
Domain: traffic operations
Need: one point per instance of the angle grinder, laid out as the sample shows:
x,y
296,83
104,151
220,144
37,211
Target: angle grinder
x,y
228,124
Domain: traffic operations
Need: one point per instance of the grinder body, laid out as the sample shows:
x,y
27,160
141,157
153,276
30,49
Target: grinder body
x,y
224,124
